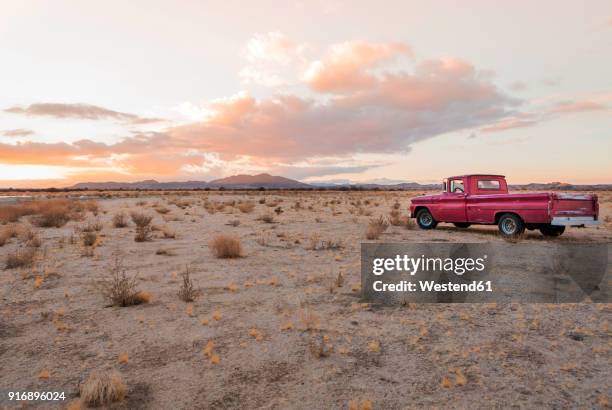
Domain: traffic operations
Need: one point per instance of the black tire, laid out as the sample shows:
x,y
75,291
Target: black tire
x,y
461,224
510,225
552,230
425,220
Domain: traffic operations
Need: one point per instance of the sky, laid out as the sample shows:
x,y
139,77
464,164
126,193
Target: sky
x,y
355,91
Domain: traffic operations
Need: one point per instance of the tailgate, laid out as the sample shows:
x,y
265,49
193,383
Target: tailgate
x,y
570,206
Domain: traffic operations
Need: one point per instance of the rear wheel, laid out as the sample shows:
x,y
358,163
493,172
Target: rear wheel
x,y
511,225
552,230
425,220
461,224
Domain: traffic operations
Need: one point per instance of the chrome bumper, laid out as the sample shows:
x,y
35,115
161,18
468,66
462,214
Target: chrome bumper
x,y
574,220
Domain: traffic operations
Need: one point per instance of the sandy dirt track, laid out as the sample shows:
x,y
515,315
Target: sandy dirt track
x,y
282,338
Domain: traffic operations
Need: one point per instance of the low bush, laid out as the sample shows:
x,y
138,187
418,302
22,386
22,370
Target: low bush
x,y
225,246
20,258
102,389
376,227
143,226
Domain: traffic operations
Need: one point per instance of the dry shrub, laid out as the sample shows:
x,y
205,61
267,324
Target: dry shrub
x,y
320,347
339,282
225,246
143,226
267,218
246,207
376,227
3,238
162,210
408,223
13,212
7,232
54,213
316,243
165,252
102,388
120,289
395,217
95,226
187,291
168,232
120,220
20,258
89,238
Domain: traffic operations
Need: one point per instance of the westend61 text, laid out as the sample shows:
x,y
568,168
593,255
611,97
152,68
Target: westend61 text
x,y
432,286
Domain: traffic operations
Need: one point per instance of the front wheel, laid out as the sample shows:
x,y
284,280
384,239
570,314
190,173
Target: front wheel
x,y
511,225
425,220
552,230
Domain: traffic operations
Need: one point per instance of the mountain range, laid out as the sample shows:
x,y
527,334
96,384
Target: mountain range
x,y
268,181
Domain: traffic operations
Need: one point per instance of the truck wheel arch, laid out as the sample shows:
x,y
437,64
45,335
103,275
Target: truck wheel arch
x,y
418,208
499,214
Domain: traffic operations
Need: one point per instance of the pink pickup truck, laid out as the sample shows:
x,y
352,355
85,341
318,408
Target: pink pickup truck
x,y
484,199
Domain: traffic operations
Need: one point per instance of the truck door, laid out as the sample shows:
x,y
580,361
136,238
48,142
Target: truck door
x,y
452,203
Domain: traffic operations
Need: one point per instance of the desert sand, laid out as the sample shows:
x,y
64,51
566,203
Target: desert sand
x,y
281,326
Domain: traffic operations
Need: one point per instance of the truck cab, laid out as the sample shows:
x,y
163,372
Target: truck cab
x,y
484,199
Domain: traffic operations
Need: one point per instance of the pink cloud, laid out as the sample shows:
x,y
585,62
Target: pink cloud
x,y
19,132
80,111
346,65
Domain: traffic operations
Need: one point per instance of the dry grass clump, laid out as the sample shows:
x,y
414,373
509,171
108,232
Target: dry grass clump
x,y
396,219
187,291
54,213
49,213
376,227
225,246
95,226
120,289
89,238
20,258
320,346
12,212
168,232
143,226
103,388
316,243
120,220
246,207
162,210
267,218
7,232
165,252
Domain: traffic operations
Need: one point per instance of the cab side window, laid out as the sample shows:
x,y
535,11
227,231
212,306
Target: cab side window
x,y
456,185
489,184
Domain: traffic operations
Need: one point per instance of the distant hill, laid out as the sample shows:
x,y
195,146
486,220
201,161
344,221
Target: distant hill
x,y
233,182
256,181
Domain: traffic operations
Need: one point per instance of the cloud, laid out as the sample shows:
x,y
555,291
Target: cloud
x,y
19,132
362,102
79,111
577,106
346,65
272,59
553,111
